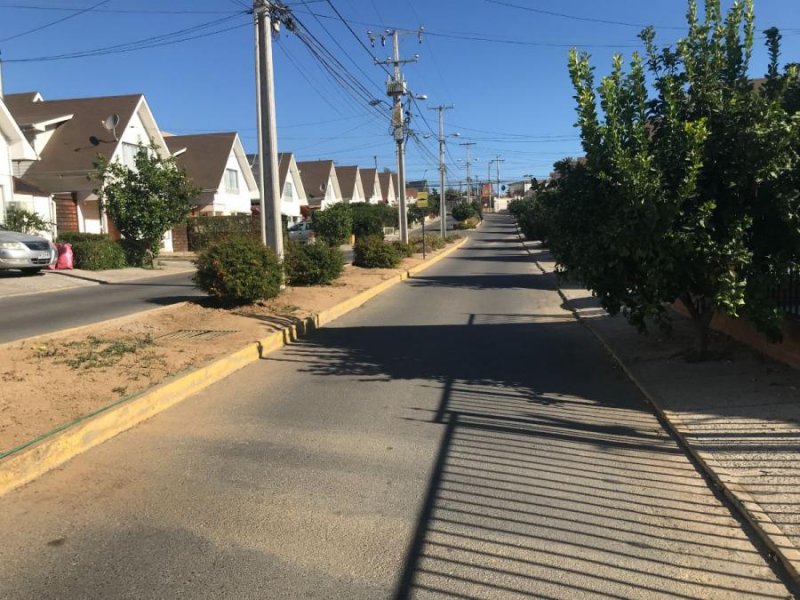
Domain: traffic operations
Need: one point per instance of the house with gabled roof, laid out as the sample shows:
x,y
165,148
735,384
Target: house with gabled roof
x,y
217,164
14,191
388,187
321,183
68,136
350,184
371,185
294,202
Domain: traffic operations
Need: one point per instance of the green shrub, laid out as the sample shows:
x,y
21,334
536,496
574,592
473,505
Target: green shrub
x,y
206,230
478,208
333,225
432,242
98,254
403,249
462,212
312,264
70,237
368,219
238,271
374,253
452,237
25,221
470,223
136,252
534,216
416,214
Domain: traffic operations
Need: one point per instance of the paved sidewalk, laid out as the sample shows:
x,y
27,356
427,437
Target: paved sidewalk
x,y
739,415
13,283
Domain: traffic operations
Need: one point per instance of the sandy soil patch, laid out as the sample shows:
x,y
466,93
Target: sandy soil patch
x,y
51,380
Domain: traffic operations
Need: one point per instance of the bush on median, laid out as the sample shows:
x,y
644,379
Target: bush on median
x,y
374,253
312,264
403,249
333,225
470,223
433,241
462,212
239,271
96,254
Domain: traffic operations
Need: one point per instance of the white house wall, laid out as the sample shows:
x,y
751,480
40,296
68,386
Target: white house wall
x,y
290,203
6,181
376,191
330,195
135,133
230,203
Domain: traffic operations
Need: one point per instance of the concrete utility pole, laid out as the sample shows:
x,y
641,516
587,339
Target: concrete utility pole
x,y
396,88
442,169
266,18
468,146
497,161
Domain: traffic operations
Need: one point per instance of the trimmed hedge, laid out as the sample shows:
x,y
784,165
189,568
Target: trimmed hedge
x,y
97,254
70,237
333,225
374,253
312,264
206,230
239,271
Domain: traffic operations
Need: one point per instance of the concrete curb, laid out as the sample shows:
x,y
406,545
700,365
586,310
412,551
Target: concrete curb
x,y
144,276
27,462
770,534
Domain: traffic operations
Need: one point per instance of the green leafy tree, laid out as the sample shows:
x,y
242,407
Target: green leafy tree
x,y
25,221
692,194
144,202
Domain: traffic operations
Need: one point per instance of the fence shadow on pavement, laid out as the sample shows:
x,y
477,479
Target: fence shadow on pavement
x,y
552,479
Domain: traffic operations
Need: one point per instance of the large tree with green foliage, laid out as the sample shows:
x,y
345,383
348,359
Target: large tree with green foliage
x,y
690,194
144,202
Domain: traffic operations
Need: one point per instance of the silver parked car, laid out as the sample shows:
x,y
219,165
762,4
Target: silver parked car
x,y
302,232
26,252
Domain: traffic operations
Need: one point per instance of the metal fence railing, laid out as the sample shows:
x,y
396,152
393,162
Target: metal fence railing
x,y
788,294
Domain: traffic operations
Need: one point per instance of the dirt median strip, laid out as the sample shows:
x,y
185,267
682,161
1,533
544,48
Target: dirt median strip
x,y
27,461
749,509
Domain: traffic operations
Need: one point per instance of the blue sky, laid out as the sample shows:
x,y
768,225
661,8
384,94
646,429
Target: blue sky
x,y
502,66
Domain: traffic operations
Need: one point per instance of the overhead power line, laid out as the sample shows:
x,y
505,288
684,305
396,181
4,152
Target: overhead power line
x,y
173,37
576,17
56,22
132,11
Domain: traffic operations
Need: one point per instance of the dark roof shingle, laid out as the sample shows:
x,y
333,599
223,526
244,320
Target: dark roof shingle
x,y
205,157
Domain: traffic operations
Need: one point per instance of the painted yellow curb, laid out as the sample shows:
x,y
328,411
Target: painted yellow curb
x,y
29,462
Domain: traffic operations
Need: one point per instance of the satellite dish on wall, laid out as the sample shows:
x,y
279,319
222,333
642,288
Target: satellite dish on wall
x,y
322,188
110,124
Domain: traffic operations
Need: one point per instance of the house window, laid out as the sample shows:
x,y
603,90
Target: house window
x,y
232,181
129,152
288,190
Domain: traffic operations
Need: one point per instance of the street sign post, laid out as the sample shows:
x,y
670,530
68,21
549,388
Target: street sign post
x,y
422,202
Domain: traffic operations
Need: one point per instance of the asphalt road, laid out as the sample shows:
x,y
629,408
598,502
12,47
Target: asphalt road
x,y
459,436
25,316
